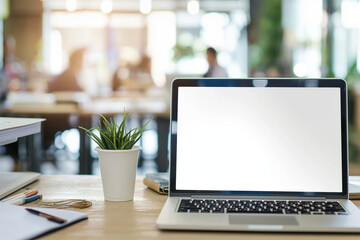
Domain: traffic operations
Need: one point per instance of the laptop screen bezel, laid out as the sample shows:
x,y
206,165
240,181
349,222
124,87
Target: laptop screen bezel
x,y
249,82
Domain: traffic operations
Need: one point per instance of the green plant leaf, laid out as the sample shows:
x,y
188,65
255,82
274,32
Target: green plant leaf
x,y
94,137
142,129
138,138
107,125
126,145
113,136
108,141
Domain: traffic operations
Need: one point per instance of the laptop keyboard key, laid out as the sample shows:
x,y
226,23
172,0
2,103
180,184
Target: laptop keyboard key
x,y
218,211
205,211
183,210
194,210
329,213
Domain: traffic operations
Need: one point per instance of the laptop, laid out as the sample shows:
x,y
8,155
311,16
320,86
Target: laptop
x,y
259,155
13,181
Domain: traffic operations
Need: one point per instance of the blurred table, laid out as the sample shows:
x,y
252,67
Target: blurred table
x,y
134,219
47,107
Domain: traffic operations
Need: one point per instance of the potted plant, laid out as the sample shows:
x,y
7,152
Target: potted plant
x,y
118,156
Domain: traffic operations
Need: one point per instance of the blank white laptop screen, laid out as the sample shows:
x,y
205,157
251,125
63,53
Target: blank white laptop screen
x,y
259,139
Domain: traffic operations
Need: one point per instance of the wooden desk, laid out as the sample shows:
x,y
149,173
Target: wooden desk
x,y
135,219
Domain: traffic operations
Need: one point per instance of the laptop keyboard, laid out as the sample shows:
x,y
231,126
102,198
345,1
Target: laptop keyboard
x,y
261,206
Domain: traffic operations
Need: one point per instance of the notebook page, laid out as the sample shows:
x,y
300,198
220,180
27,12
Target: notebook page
x,y
17,223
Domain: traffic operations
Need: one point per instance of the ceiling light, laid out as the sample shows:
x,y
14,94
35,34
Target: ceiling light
x,y
71,5
145,6
106,6
300,69
193,7
350,13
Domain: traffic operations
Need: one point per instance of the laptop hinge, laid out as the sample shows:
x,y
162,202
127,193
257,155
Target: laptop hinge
x,y
256,197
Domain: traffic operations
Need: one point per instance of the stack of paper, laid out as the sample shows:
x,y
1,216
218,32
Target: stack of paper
x,y
13,128
17,223
354,187
354,193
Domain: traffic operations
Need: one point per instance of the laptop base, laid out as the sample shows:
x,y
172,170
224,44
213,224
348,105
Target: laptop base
x,y
170,219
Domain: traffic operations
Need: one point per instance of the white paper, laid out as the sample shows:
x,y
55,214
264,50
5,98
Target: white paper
x,y
8,123
354,184
17,223
13,128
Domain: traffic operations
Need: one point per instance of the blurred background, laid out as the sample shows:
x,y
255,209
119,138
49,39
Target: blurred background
x,y
67,60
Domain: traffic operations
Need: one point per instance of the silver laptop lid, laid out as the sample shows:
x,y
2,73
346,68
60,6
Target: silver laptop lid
x,y
263,137
12,181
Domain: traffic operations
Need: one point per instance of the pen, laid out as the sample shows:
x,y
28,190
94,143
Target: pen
x,y
23,195
47,216
26,200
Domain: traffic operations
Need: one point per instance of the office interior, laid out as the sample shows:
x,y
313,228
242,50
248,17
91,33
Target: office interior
x,y
131,50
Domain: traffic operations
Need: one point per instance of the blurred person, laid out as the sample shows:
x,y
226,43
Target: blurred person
x,y
215,70
143,70
121,73
3,89
13,77
134,77
68,80
14,69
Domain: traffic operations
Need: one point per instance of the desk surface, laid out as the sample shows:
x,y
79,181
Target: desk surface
x,y
134,219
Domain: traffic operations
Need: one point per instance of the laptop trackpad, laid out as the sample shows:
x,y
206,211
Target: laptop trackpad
x,y
262,220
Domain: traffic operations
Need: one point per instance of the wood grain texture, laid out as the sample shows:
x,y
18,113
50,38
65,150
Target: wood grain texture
x,y
134,219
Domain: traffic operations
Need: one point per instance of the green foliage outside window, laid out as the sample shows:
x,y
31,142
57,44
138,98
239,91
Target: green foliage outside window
x,y
270,37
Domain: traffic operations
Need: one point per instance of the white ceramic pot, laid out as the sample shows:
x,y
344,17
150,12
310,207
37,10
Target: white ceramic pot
x,y
118,173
